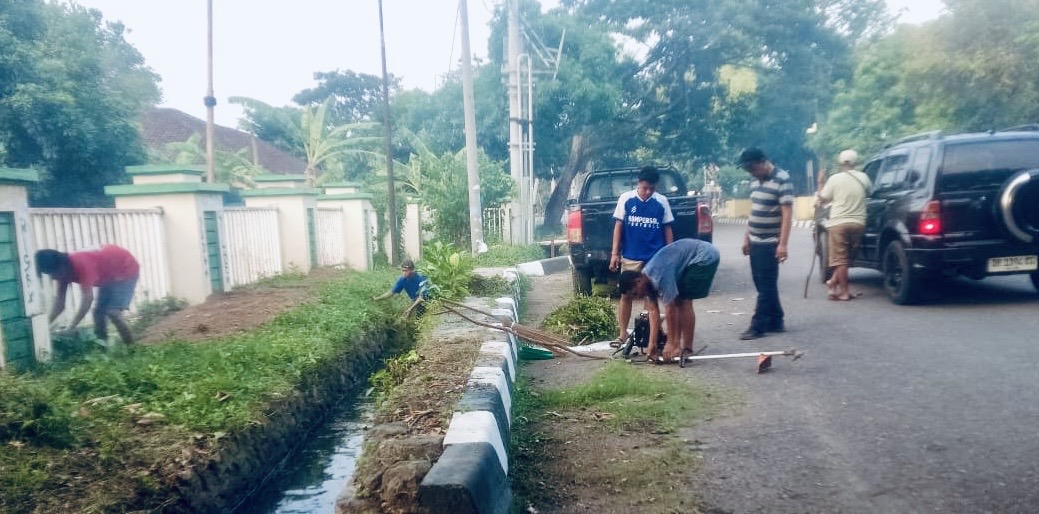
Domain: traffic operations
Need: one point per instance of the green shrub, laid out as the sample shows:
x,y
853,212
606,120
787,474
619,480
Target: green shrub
x,y
448,269
584,319
394,373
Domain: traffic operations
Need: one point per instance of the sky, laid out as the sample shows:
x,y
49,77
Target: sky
x,y
270,50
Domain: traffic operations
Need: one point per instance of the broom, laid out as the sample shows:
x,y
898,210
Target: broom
x,y
553,343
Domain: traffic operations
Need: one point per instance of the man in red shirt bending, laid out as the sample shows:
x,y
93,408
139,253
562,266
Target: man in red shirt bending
x,y
112,270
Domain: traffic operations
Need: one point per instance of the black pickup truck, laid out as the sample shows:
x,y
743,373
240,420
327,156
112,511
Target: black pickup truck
x,y
589,224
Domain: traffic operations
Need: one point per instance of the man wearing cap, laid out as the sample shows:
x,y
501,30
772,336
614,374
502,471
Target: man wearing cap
x,y
412,283
768,230
846,191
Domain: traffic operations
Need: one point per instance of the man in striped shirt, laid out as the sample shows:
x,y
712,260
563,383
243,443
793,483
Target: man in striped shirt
x,y
768,230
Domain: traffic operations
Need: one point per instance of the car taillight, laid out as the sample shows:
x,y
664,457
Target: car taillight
x,y
573,228
930,223
704,223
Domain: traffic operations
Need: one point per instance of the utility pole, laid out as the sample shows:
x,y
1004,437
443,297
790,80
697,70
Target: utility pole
x,y
209,100
518,207
387,124
471,158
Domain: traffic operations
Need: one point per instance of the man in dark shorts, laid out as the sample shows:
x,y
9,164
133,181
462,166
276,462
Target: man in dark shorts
x,y
676,275
111,269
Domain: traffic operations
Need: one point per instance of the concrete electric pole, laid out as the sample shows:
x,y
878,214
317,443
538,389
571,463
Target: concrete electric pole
x,y
518,208
209,100
388,136
471,157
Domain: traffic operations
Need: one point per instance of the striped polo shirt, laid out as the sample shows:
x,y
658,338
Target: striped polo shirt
x,y
766,197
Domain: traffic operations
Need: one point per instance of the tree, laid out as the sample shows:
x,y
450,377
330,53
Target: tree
x,y
322,145
357,97
71,89
234,168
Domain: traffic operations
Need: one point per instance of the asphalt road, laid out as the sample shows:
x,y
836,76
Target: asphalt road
x,y
893,409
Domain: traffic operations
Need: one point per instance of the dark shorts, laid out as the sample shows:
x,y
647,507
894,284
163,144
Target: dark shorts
x,y
116,295
695,282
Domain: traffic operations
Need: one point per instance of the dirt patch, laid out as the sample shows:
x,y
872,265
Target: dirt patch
x,y
238,311
570,461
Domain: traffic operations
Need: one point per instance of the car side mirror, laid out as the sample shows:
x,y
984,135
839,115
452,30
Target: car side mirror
x,y
913,177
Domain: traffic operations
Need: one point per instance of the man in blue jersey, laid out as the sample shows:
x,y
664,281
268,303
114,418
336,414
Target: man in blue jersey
x,y
412,283
768,230
642,226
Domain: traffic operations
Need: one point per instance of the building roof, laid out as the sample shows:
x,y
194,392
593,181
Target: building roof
x,y
161,126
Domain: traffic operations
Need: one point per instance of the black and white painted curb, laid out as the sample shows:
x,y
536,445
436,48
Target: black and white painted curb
x,y
545,266
471,476
743,221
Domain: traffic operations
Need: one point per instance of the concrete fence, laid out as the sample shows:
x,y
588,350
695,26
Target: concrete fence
x,y
189,245
253,242
138,230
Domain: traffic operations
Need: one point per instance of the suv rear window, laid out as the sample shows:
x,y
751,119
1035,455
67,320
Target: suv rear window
x,y
611,187
986,164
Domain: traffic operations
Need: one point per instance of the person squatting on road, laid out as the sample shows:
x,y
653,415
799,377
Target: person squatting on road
x,y
768,230
675,276
642,226
846,191
112,269
414,284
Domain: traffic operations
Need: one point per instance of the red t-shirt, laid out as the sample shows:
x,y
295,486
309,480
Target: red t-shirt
x,y
101,267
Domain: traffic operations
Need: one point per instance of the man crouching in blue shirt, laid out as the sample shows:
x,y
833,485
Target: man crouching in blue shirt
x,y
676,275
412,283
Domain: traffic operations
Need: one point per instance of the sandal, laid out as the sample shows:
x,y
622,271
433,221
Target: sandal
x,y
686,353
616,344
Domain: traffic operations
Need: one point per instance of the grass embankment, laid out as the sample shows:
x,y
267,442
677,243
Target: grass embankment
x,y
107,432
612,438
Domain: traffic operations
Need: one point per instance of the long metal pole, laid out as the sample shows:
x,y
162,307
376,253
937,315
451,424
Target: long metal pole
x,y
471,157
209,100
388,125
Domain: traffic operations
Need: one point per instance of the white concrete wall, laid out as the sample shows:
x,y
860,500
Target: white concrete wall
x,y
292,224
15,199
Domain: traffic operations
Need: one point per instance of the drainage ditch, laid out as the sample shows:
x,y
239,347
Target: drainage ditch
x,y
310,479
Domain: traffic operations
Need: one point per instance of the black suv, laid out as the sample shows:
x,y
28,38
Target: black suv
x,y
947,205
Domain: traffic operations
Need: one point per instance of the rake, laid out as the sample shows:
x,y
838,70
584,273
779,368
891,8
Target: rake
x,y
553,343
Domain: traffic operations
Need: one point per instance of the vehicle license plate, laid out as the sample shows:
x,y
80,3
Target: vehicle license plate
x,y
1015,263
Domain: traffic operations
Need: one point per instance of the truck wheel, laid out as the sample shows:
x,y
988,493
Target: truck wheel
x,y
822,249
582,281
898,281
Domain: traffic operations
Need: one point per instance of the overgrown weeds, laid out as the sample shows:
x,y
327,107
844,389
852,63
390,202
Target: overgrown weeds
x,y
501,255
104,417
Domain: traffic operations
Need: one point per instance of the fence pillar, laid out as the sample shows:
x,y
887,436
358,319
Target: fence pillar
x,y
411,229
297,216
357,215
24,334
193,220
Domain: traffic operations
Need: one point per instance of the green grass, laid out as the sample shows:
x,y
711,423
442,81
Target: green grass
x,y
636,400
207,389
501,255
628,403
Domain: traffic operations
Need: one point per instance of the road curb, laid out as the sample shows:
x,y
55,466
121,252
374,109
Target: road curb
x,y
545,266
471,476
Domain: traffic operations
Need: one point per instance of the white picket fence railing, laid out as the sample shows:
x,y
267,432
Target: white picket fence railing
x,y
496,226
331,238
253,244
139,231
